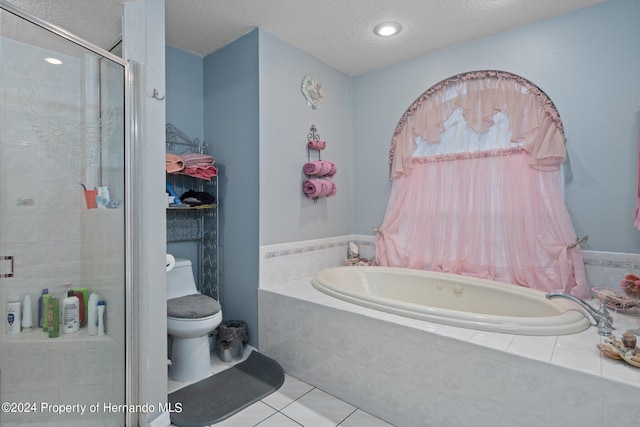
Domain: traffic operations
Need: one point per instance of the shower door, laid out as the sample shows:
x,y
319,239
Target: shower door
x,y
62,134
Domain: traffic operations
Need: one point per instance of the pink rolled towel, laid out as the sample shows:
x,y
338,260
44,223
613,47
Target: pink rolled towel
x,y
316,144
332,189
333,170
317,187
320,168
313,187
312,168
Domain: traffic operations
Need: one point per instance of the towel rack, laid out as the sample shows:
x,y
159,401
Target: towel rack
x,y
315,146
176,137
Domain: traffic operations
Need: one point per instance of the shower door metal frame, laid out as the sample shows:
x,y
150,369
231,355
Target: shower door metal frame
x,y
131,361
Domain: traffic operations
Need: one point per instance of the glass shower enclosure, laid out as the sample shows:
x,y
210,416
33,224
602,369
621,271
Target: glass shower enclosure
x,y
63,134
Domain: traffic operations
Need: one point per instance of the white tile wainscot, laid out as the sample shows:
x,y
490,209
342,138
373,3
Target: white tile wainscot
x,y
414,373
287,261
42,370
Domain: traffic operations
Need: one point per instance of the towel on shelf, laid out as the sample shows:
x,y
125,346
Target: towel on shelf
x,y
320,168
174,163
203,172
197,159
316,144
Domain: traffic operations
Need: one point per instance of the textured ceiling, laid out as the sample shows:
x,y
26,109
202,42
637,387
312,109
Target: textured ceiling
x,y
338,32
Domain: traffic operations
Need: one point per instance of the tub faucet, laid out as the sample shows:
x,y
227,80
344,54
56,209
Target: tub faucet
x,y
603,319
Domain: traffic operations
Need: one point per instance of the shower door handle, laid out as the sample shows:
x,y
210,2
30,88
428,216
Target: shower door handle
x,y
6,259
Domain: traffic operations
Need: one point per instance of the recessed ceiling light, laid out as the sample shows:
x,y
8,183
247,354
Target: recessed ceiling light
x,y
54,61
387,29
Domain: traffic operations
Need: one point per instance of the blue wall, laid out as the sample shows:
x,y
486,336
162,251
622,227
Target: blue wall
x,y
231,127
184,91
587,61
184,109
255,120
286,215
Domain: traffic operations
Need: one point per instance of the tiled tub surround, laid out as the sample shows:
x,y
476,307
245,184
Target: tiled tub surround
x,y
287,261
606,269
416,373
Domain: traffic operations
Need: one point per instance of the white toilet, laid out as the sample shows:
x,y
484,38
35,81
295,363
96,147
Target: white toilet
x,y
190,318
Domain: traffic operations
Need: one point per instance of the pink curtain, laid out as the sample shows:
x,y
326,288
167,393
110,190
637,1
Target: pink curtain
x,y
534,121
493,213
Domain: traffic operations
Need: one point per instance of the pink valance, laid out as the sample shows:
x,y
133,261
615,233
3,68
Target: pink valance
x,y
533,119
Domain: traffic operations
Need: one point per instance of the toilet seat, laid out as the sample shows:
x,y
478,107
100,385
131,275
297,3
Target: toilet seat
x,y
195,306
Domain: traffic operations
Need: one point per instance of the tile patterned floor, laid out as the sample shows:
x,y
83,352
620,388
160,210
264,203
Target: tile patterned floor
x,y
295,404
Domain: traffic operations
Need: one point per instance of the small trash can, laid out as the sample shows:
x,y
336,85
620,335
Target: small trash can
x,y
231,339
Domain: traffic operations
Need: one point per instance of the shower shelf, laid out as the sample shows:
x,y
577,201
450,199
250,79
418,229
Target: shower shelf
x,y
175,208
36,335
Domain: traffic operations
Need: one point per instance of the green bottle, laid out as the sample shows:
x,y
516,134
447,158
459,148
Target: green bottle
x,y
53,317
45,307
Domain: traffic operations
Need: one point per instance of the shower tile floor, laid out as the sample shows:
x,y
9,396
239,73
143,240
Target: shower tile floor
x,y
295,404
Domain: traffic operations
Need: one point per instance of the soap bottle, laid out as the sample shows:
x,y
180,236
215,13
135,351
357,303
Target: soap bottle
x,y
13,315
27,316
92,314
101,320
70,313
53,317
42,308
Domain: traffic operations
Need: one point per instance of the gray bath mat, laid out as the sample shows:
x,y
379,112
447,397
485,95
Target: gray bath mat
x,y
218,397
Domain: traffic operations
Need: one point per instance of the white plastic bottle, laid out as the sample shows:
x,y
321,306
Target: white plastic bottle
x,y
13,315
70,313
92,315
101,326
27,315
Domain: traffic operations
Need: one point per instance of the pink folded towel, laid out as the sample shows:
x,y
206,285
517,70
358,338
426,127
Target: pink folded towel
x,y
173,163
320,168
203,172
197,159
316,144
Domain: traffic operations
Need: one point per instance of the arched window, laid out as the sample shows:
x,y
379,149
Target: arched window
x,y
475,163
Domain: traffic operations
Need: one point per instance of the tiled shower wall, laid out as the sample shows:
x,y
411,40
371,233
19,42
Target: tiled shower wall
x,y
54,238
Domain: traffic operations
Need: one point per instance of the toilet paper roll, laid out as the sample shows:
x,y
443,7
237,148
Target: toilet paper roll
x,y
171,262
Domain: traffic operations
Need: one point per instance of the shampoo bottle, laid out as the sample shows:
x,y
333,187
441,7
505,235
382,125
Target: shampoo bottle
x,y
42,308
81,311
46,298
92,314
27,316
13,315
53,317
70,313
83,296
101,326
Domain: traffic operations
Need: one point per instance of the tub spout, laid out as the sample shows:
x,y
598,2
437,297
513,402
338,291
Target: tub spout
x,y
603,319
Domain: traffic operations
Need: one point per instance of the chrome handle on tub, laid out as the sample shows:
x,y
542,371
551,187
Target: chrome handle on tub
x,y
603,319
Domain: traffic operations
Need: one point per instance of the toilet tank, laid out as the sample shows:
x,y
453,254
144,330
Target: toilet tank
x,y
180,281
